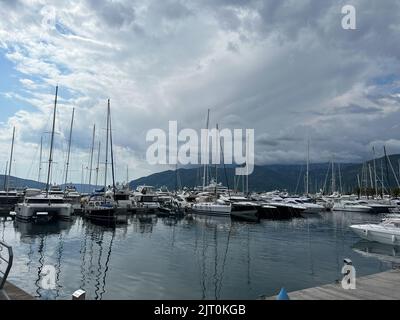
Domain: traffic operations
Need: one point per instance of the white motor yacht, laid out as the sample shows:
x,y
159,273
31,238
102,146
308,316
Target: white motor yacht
x,y
310,207
351,206
388,231
212,208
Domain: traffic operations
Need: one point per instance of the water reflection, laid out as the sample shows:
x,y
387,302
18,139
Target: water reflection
x,y
191,257
384,252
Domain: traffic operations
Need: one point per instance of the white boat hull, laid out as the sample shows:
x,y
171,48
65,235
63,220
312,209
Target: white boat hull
x,y
378,233
32,211
212,209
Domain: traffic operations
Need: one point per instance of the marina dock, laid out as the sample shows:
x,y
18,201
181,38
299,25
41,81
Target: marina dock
x,y
12,292
380,286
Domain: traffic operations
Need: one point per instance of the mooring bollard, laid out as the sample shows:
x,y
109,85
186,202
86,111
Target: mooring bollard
x,y
79,295
282,295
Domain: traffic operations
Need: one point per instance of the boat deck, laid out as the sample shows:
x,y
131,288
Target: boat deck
x,y
380,286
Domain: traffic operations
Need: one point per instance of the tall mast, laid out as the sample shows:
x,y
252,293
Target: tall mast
x,y
205,165
112,153
106,163
247,165
91,157
69,147
40,159
98,163
387,168
82,180
376,183
51,143
333,175
11,159
5,175
382,184
308,166
340,179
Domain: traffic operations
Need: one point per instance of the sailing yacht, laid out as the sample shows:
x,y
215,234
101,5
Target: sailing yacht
x,y
102,207
45,206
9,198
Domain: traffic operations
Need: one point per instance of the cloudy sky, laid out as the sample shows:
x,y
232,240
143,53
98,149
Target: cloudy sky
x,y
286,68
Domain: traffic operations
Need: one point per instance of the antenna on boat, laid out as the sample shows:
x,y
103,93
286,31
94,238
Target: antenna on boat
x,y
11,159
69,147
51,143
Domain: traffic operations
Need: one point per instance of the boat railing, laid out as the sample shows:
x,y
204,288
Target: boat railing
x,y
6,261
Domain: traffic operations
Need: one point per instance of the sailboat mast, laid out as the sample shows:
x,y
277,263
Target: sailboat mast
x,y
51,143
205,164
382,185
5,175
106,163
376,183
387,168
247,164
308,166
112,153
91,157
98,164
69,147
40,159
333,176
11,159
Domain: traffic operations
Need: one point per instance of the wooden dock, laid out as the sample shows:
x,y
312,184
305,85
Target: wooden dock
x,y
380,286
11,292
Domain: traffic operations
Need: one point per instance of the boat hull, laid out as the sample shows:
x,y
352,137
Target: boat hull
x,y
378,234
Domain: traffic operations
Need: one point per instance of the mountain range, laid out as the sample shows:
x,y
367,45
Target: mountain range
x,y
292,178
286,177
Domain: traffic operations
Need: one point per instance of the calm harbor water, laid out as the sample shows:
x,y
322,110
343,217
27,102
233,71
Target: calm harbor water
x,y
192,258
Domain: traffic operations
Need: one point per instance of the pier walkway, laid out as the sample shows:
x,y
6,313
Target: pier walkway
x,y
11,292
380,286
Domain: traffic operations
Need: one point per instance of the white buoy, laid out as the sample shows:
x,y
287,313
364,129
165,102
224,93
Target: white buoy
x,y
79,295
13,213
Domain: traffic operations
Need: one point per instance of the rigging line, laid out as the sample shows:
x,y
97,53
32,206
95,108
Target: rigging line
x,y
298,179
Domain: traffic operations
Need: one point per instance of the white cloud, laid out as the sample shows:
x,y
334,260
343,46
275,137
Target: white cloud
x,y
285,68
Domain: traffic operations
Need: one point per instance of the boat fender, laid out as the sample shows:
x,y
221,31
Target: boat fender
x,y
393,238
366,232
